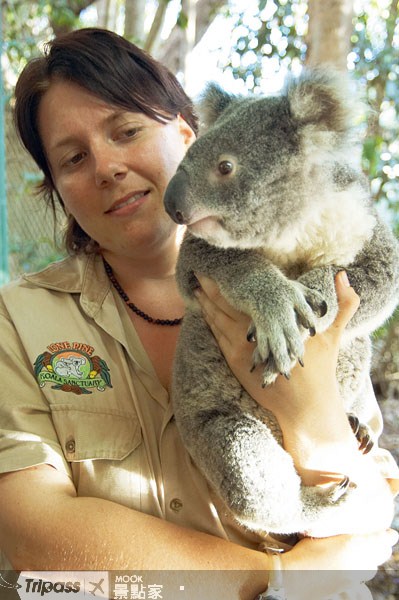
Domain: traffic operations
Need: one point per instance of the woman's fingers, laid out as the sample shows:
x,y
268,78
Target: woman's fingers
x,y
343,552
348,302
212,299
228,325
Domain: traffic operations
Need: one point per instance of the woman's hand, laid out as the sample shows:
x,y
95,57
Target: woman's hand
x,y
335,564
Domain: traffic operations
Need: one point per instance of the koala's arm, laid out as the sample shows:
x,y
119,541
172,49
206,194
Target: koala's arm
x,y
221,264
374,275
278,306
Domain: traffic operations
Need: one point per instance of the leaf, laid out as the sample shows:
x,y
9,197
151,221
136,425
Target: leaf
x,y
182,20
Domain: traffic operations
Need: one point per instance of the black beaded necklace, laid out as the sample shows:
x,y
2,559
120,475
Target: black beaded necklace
x,y
132,306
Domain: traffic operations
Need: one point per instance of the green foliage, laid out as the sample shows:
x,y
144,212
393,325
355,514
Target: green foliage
x,y
27,25
182,20
375,47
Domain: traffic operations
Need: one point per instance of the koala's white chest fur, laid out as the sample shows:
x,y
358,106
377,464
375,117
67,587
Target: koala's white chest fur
x,y
332,232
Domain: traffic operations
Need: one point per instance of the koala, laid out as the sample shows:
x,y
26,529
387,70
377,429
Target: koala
x,y
275,204
70,365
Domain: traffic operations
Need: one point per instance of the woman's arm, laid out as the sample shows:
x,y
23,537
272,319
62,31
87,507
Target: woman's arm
x,y
45,527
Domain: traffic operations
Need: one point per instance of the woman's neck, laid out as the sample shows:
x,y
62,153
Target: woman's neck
x,y
156,264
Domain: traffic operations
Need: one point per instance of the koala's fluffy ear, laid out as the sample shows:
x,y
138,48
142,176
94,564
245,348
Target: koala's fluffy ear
x,y
322,97
212,102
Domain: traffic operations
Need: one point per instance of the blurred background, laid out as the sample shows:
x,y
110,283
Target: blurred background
x,y
248,46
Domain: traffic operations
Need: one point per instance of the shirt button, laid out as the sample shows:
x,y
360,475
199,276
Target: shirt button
x,y
70,446
176,504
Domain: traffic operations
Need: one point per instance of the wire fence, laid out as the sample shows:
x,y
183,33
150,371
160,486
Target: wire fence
x,y
32,240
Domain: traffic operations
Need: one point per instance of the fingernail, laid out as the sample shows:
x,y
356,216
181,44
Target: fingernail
x,y
344,278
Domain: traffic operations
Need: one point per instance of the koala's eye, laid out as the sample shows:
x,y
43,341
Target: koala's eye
x,y
225,167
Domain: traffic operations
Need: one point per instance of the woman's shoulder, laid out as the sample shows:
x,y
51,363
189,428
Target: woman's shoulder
x,y
80,276
66,274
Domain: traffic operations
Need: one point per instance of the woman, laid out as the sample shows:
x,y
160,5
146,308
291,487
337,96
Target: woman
x,y
95,475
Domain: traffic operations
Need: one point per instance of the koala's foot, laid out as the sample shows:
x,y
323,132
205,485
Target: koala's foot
x,y
282,326
362,433
319,501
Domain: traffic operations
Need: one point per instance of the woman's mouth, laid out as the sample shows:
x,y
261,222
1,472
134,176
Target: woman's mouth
x,y
125,205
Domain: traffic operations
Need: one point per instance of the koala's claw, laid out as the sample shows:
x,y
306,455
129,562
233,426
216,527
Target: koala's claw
x,y
320,309
340,489
316,302
362,434
354,423
366,444
270,371
323,309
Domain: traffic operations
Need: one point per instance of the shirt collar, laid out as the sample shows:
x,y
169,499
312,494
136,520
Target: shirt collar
x,y
81,274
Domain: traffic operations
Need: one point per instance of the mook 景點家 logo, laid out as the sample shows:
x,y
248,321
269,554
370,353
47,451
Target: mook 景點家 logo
x,y
72,367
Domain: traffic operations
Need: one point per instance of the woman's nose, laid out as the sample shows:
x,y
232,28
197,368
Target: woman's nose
x,y
108,168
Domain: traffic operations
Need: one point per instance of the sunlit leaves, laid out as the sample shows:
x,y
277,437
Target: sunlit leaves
x,y
267,35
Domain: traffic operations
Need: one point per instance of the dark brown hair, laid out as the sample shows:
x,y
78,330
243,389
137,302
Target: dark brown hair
x,y
109,67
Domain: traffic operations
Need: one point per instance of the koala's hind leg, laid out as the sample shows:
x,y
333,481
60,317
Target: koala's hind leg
x,y
357,393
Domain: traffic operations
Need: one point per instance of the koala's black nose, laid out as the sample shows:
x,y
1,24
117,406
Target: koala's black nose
x,y
175,199
179,217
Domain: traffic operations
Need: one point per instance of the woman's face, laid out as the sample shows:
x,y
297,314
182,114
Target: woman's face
x,y
111,167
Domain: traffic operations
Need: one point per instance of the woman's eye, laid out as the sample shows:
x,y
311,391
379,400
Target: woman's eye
x,y
75,159
128,132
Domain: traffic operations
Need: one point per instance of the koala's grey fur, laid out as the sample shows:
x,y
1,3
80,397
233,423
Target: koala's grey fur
x,y
275,205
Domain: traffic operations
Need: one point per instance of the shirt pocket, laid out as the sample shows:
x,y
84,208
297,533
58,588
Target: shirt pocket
x,y
94,435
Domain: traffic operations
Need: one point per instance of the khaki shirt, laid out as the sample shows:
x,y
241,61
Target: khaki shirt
x,y
113,433
79,392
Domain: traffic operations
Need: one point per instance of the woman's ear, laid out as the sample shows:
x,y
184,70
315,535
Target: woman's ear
x,y
186,131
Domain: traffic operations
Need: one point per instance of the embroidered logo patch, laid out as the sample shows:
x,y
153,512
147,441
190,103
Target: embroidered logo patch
x,y
72,367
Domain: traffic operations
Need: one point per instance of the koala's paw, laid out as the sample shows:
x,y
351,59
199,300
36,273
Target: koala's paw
x,y
315,300
270,369
320,497
280,327
336,491
362,433
328,510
